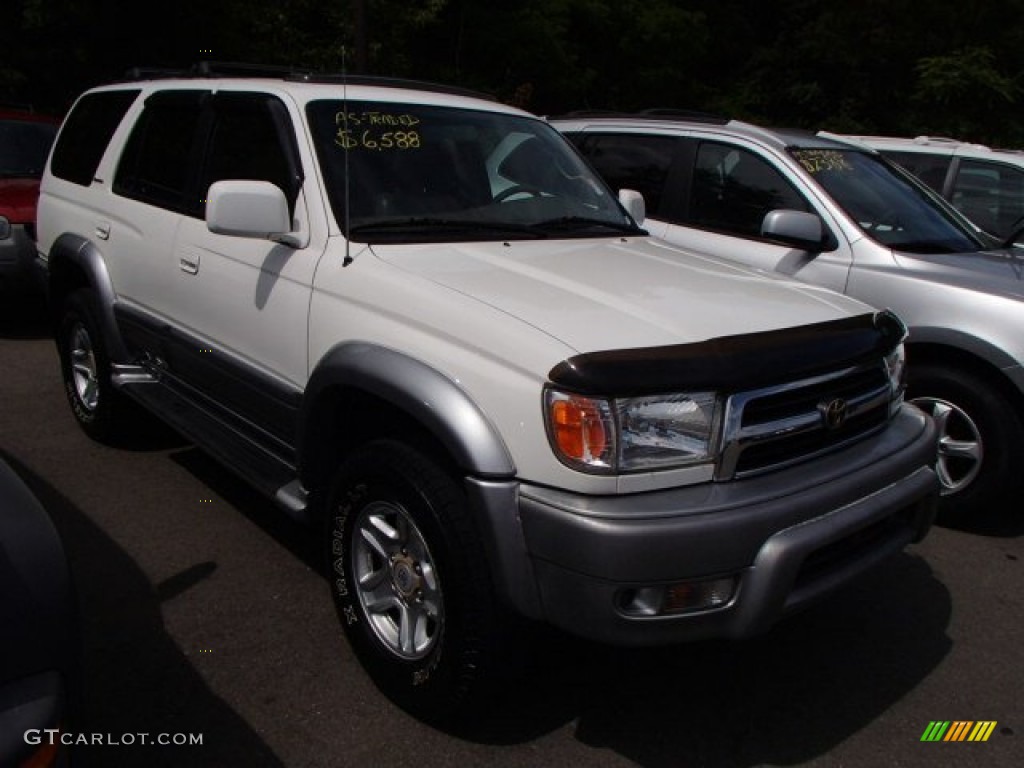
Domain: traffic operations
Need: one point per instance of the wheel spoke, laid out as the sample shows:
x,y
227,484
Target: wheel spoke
x,y
382,537
372,579
945,478
382,604
428,576
406,630
941,413
89,391
960,449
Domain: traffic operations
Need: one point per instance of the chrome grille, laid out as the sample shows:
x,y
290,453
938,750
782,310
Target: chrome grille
x,y
784,424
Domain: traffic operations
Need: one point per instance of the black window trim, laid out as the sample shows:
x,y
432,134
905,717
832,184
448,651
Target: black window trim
x,y
192,203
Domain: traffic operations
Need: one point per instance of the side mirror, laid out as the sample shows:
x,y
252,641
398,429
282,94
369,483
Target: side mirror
x,y
248,209
634,204
797,228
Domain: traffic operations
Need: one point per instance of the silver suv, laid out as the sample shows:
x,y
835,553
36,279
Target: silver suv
x,y
834,214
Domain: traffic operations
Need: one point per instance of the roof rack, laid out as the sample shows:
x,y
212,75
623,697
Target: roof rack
x,y
214,69
211,69
654,113
394,82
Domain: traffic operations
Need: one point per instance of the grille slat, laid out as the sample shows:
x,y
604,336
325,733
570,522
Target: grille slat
x,y
782,425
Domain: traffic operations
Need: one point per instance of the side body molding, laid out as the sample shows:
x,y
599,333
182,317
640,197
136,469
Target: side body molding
x,y
73,258
411,386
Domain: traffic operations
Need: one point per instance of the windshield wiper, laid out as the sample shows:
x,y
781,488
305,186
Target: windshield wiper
x,y
568,223
426,223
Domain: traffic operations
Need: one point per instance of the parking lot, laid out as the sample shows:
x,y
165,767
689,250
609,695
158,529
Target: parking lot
x,y
204,612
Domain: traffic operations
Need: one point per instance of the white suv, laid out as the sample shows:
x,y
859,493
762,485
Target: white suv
x,y
415,318
985,184
835,214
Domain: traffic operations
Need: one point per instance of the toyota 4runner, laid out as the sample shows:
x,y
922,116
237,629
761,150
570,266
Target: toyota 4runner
x,y
823,210
415,317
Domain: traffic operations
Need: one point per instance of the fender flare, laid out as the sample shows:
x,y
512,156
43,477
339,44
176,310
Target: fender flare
x,y
428,396
87,259
965,342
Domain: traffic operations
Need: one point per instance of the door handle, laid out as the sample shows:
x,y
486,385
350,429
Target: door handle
x,y
189,264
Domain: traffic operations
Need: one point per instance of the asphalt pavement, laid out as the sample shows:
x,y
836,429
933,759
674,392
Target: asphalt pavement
x,y
205,613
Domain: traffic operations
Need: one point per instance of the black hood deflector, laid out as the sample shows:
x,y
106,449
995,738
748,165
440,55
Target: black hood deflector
x,y
733,363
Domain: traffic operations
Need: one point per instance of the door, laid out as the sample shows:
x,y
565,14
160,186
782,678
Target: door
x,y
730,190
242,303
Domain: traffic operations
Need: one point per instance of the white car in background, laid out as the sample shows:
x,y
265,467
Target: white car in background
x,y
985,184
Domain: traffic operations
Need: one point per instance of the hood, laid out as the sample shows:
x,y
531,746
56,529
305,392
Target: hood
x,y
998,272
18,199
601,294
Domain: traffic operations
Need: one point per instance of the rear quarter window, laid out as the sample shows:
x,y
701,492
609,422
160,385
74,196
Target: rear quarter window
x,y
86,134
631,161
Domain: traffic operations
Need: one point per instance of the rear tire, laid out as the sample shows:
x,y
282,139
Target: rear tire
x,y
410,581
98,407
980,436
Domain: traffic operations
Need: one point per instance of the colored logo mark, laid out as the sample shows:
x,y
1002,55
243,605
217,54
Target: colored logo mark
x,y
958,730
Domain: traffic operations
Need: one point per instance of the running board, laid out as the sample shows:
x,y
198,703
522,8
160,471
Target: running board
x,y
242,453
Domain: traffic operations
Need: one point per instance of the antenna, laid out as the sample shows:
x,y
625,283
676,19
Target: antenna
x,y
348,186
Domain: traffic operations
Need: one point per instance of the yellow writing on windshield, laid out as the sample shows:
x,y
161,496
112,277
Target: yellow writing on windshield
x,y
818,160
375,130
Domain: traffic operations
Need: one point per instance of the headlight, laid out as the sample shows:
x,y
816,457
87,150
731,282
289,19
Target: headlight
x,y
896,368
634,434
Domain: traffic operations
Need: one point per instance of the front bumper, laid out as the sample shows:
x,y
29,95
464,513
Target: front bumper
x,y
789,537
18,259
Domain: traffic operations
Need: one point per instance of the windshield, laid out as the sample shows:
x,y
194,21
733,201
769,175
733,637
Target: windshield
x,y
414,173
888,204
24,147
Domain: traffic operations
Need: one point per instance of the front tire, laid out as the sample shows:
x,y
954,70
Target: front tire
x,y
980,434
410,581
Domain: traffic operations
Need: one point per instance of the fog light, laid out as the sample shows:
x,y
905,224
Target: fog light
x,y
684,597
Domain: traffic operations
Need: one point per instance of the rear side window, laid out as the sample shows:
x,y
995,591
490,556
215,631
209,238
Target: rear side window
x,y
631,162
734,189
990,194
156,163
86,133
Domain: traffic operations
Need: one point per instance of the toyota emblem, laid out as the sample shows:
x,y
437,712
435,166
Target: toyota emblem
x,y
833,413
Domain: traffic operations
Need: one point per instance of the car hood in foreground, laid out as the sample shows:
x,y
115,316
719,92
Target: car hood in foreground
x,y
617,293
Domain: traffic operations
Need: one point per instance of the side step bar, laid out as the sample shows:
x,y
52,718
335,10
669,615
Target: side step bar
x,y
238,448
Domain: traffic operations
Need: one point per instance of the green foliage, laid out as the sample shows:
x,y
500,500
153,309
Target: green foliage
x,y
884,66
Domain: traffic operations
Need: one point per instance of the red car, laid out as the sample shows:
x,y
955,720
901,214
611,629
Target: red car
x,y
25,141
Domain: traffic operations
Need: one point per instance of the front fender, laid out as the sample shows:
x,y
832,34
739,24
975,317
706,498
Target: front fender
x,y
429,397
